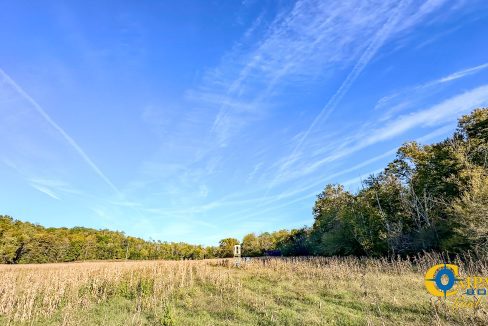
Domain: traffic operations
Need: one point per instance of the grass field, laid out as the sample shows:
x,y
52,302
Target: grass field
x,y
292,291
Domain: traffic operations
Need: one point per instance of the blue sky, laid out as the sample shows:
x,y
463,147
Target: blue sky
x,y
198,120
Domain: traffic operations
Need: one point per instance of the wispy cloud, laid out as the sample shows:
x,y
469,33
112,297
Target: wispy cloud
x,y
447,110
420,13
310,39
461,74
298,45
378,40
400,19
309,188
50,187
403,99
441,113
58,128
45,190
287,109
55,189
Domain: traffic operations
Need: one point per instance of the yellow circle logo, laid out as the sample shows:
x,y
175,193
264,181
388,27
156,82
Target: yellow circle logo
x,y
440,280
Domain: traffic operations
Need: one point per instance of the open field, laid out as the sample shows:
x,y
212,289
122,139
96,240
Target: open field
x,y
292,291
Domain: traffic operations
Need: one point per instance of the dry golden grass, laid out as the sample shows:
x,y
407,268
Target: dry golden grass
x,y
293,291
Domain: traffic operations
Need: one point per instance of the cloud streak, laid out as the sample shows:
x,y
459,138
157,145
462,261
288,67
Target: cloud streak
x,y
380,37
443,112
58,128
418,90
298,45
45,190
460,74
310,189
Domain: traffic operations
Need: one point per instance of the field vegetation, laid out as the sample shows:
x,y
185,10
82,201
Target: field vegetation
x,y
262,291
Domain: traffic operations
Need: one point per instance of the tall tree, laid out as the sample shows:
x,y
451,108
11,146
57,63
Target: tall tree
x,y
226,247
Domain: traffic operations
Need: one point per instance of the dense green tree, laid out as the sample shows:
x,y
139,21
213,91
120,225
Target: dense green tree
x,y
226,247
251,246
431,197
296,243
332,232
258,245
471,212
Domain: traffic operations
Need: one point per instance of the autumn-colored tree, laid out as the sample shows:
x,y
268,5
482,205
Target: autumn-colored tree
x,y
226,247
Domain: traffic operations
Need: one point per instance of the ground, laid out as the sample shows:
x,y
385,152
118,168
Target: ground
x,y
292,291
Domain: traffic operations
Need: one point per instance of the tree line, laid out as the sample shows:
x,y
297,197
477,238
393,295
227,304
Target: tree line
x,y
429,198
24,242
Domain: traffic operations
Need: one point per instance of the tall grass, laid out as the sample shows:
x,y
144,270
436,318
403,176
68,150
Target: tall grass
x,y
265,291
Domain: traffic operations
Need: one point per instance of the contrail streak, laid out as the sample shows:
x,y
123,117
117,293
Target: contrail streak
x,y
63,133
363,61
